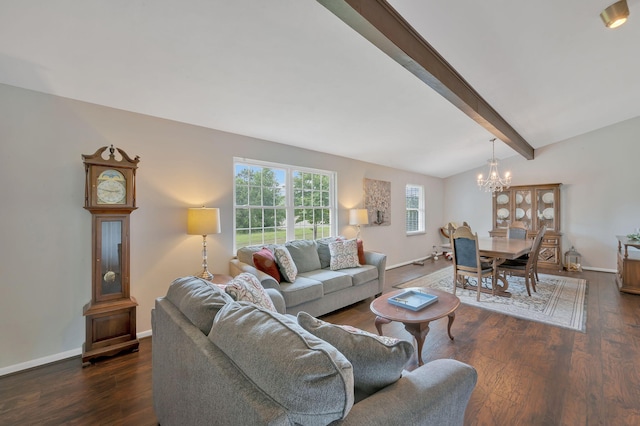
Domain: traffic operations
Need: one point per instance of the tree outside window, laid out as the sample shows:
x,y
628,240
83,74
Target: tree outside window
x,y
262,213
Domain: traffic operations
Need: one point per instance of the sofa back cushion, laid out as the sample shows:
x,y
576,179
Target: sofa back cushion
x,y
198,300
377,361
304,254
302,373
323,250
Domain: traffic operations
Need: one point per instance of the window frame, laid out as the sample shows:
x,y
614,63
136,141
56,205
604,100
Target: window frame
x,y
288,208
420,209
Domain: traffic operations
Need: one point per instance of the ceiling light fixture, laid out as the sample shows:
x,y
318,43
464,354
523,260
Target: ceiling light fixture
x,y
494,183
616,14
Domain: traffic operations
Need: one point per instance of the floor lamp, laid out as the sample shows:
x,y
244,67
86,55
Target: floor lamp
x,y
203,221
358,217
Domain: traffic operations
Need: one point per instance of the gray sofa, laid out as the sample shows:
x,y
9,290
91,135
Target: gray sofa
x,y
317,289
218,361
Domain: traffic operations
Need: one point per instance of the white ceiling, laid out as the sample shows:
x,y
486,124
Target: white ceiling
x,y
290,71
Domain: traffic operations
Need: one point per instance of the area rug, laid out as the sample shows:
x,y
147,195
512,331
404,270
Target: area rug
x,y
559,301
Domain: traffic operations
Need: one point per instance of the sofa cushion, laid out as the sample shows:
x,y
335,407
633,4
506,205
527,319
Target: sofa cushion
x,y
198,300
245,254
307,376
285,262
323,251
344,254
302,290
246,287
331,280
377,361
265,261
362,274
304,254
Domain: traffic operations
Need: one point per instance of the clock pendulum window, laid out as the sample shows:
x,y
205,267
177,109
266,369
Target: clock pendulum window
x,y
110,198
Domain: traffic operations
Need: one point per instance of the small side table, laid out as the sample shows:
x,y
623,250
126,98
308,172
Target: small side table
x,y
416,322
221,279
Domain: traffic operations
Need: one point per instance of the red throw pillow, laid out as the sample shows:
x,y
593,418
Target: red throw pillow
x,y
266,262
361,253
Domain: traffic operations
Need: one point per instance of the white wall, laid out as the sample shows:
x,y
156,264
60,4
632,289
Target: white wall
x,y
45,268
599,172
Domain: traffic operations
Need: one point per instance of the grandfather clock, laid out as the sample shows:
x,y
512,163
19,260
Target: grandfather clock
x,y
110,197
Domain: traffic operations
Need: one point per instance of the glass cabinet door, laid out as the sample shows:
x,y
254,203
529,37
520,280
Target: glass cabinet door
x,y
546,208
523,205
503,210
111,266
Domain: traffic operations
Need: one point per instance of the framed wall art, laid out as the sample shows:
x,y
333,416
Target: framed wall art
x,y
377,201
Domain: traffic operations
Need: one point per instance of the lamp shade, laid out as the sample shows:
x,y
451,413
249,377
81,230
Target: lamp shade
x,y
358,217
203,221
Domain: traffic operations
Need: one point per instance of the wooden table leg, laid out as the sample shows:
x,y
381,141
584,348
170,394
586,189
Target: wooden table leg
x,y
452,316
379,321
419,331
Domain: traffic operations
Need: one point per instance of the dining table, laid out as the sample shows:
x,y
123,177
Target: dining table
x,y
499,249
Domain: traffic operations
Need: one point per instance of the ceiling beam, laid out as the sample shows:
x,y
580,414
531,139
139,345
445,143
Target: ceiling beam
x,y
383,26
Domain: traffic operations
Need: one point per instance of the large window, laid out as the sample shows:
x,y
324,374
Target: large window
x,y
275,203
415,209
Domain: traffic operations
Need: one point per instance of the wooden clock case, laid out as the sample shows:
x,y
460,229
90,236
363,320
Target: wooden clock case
x,y
111,313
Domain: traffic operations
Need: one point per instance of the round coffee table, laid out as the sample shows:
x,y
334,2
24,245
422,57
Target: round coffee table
x,y
416,322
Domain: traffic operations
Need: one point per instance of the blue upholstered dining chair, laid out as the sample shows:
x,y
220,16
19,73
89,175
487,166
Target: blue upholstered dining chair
x,y
466,260
528,269
517,230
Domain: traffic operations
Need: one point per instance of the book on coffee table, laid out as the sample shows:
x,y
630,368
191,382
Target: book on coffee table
x,y
413,299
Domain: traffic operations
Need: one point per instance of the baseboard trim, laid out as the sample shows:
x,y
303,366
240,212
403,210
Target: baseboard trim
x,y
397,265
587,268
52,358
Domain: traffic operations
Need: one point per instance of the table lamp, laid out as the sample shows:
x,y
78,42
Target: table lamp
x,y
358,217
203,221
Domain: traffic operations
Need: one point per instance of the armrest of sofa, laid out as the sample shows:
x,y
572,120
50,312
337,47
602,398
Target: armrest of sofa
x,y
379,260
236,267
436,393
277,299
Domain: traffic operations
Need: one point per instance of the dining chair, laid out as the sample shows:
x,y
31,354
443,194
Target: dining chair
x,y
517,233
466,260
527,269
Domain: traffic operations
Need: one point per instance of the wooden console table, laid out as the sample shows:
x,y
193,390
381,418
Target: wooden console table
x,y
628,276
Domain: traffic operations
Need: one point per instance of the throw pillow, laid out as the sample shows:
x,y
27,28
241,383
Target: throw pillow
x,y
361,259
344,254
304,254
246,287
323,251
265,261
377,361
198,300
285,262
307,376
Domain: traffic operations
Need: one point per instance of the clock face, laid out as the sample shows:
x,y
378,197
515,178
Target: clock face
x,y
111,188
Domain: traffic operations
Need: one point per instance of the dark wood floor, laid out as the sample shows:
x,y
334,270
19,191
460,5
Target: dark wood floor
x,y
529,373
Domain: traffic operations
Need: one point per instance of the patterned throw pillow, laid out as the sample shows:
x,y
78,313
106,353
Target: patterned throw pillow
x,y
344,254
265,261
284,260
377,361
247,287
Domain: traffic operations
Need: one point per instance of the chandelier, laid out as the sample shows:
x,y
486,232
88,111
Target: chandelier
x,y
493,182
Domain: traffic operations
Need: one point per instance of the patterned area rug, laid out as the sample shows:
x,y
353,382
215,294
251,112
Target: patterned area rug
x,y
559,301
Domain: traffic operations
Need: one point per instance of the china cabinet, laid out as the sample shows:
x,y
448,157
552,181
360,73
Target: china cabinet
x,y
534,206
628,276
